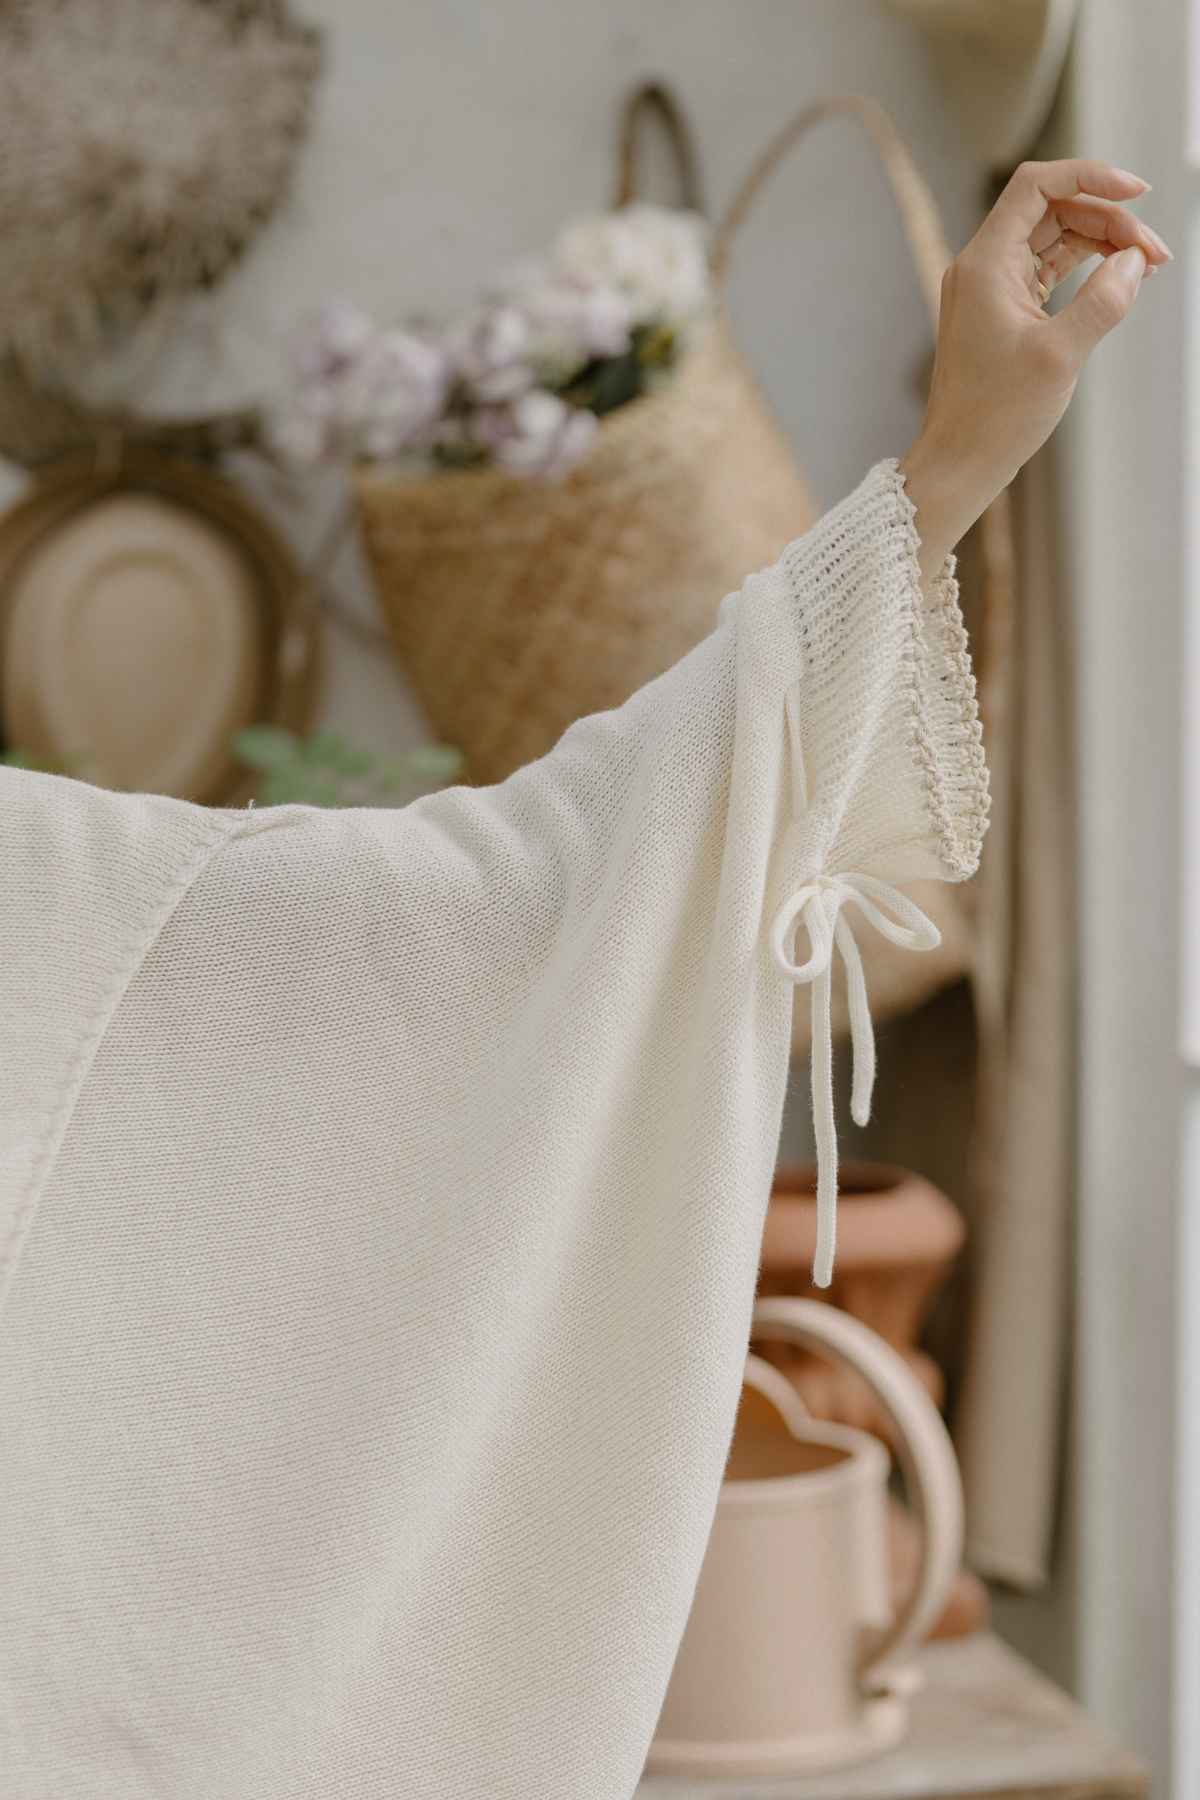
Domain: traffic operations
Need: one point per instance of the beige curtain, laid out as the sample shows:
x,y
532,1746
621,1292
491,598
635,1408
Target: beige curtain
x,y
977,1086
1009,1415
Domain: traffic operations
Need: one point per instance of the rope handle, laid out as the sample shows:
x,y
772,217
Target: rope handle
x,y
657,99
919,212
925,235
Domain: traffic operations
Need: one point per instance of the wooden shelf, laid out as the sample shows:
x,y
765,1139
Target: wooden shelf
x,y
986,1724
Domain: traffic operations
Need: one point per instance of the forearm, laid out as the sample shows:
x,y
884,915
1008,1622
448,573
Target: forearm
x,y
948,495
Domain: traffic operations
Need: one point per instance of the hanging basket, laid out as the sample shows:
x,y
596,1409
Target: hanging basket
x,y
517,607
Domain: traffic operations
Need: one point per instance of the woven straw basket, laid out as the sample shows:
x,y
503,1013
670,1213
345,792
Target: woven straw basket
x,y
518,607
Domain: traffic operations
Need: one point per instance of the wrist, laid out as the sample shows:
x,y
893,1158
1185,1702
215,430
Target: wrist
x,y
948,494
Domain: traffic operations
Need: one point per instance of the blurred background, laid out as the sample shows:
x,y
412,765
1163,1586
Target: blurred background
x,y
251,551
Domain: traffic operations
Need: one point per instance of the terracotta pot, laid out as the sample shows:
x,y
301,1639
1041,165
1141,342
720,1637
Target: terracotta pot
x,y
898,1236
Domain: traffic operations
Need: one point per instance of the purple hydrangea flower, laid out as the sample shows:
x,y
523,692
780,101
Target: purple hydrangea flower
x,y
360,391
330,341
395,391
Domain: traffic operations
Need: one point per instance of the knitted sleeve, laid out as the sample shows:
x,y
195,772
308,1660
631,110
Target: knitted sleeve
x,y
657,866
887,752
886,778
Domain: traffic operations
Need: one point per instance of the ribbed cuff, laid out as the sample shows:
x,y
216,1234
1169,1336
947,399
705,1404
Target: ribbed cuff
x,y
947,733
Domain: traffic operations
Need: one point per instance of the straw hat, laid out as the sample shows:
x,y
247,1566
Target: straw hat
x,y
147,614
1000,63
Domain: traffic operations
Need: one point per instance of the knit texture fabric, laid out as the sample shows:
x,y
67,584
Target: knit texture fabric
x,y
381,1194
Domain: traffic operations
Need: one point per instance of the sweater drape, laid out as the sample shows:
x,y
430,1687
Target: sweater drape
x,y
381,1196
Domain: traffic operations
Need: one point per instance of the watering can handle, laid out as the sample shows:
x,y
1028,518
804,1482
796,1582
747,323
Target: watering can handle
x,y
924,1451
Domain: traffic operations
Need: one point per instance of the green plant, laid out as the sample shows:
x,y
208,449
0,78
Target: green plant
x,y
327,770
324,769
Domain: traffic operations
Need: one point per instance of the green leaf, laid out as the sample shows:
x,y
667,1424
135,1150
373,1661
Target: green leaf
x,y
330,750
324,792
437,761
387,780
266,746
604,385
307,785
281,786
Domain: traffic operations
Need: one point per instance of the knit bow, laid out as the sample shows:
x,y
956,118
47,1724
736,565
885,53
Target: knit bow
x,y
820,903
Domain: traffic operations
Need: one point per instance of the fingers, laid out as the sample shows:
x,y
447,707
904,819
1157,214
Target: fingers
x,y
1102,302
1106,220
1053,264
1067,252
1064,255
1034,186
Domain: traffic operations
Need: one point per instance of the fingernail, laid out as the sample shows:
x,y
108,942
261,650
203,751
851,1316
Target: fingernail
x,y
1160,241
1129,175
1131,265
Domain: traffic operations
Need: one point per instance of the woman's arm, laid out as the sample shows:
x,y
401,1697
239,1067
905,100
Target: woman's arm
x,y
947,504
1004,370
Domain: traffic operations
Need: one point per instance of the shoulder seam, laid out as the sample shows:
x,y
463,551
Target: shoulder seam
x,y
61,1110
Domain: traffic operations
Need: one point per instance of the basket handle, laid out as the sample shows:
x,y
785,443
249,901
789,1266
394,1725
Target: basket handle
x,y
922,221
919,213
655,97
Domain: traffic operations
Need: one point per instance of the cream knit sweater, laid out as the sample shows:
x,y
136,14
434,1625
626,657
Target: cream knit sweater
x,y
380,1203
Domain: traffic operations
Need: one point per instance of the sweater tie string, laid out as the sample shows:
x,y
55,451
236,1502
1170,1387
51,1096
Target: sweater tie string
x,y
821,905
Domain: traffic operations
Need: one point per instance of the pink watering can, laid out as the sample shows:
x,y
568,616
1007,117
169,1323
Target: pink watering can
x,y
791,1660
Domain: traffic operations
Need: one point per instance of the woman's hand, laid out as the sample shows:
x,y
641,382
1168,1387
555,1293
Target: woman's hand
x,y
1004,370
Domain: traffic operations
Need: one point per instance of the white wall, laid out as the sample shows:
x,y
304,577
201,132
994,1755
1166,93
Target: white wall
x,y
450,137
1126,496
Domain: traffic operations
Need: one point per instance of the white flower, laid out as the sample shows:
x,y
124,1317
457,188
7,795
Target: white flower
x,y
569,321
656,257
574,442
537,435
490,350
489,380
